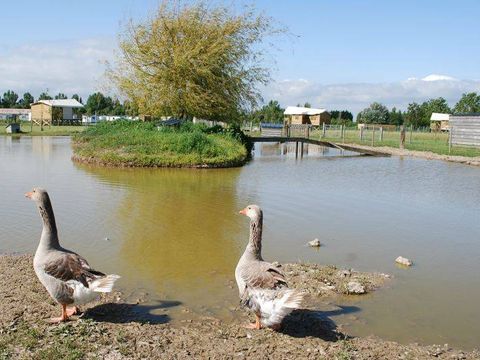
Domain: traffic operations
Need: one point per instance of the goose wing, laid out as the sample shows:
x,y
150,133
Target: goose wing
x,y
71,266
263,275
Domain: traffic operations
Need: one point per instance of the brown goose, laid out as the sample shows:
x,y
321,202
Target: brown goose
x,y
262,286
66,275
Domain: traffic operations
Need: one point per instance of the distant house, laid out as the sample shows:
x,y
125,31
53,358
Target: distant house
x,y
440,122
16,114
50,112
294,115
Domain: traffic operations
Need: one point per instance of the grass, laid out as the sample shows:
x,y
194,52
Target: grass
x,y
419,141
126,143
27,129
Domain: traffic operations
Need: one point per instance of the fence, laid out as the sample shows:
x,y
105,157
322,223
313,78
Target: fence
x,y
465,130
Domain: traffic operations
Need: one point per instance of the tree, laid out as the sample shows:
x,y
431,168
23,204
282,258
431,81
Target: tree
x,y
415,115
60,96
9,99
78,98
468,103
271,113
44,96
26,100
376,113
396,117
99,104
307,105
194,60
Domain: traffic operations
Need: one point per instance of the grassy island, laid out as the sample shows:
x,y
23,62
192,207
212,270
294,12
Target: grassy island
x,y
139,144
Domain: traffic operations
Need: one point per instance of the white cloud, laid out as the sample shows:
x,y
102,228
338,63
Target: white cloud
x,y
356,96
69,67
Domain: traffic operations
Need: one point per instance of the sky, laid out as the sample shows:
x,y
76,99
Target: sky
x,y
341,54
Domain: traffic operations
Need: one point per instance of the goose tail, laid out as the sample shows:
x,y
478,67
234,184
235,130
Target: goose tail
x,y
274,305
104,284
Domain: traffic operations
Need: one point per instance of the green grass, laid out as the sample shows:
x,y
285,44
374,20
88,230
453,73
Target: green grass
x,y
26,129
419,141
124,143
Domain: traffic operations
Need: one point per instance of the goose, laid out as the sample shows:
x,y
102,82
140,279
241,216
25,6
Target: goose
x,y
261,285
68,278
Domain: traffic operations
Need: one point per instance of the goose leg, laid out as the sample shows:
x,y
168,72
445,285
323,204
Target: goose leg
x,y
73,311
256,325
62,318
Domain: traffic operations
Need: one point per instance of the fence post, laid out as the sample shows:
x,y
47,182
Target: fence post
x,y
323,130
402,137
373,136
343,133
381,134
411,131
361,133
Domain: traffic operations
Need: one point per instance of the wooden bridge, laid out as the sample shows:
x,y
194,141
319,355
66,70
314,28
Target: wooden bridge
x,y
304,140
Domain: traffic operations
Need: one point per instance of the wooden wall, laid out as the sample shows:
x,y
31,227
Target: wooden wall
x,y
41,111
465,130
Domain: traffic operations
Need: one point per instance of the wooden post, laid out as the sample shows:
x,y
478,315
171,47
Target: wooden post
x,y
411,131
373,136
381,134
361,133
296,149
301,150
402,137
323,130
343,133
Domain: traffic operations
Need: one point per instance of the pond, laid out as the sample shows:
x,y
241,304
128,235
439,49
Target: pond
x,y
175,234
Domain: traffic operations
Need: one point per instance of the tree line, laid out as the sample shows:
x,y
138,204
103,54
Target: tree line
x,y
418,115
97,103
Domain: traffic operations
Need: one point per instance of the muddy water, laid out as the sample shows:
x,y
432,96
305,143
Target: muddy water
x,y
176,234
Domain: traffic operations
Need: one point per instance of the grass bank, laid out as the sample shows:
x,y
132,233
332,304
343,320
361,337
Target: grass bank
x,y
138,144
436,143
27,129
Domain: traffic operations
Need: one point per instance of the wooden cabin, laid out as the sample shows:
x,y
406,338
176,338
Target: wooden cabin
x,y
440,122
51,112
296,115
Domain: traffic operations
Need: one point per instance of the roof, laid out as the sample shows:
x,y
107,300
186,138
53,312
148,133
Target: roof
x,y
439,117
297,110
15,111
61,103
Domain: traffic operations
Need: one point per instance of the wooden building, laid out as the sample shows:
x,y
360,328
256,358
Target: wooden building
x,y
56,112
296,115
465,129
439,122
15,114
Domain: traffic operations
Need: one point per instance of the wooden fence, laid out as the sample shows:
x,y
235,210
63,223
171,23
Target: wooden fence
x,y
465,130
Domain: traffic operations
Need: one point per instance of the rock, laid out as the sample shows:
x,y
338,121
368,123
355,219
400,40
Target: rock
x,y
403,261
354,287
314,243
344,273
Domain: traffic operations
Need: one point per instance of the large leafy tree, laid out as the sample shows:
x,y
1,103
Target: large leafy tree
x,y
415,115
419,115
99,104
468,103
44,96
376,113
61,96
193,59
9,99
26,100
271,113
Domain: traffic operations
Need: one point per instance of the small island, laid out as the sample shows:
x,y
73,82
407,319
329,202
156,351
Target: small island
x,y
143,144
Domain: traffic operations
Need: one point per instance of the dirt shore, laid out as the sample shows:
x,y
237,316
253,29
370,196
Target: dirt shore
x,y
475,161
114,329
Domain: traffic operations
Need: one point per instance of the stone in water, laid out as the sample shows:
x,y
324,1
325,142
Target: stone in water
x,y
403,261
314,243
354,287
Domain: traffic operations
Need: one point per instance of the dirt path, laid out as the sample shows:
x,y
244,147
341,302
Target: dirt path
x,y
422,154
113,329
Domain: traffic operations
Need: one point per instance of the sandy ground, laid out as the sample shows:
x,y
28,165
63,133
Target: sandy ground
x,y
114,329
422,154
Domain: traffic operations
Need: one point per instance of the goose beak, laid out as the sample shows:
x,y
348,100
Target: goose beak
x,y
243,212
29,195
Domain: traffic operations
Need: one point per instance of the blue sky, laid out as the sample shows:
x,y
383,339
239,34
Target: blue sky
x,y
344,54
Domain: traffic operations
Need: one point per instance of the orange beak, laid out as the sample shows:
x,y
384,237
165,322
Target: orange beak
x,y
29,194
243,212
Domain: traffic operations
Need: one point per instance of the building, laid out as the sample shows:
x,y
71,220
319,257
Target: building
x,y
16,114
439,122
56,112
295,115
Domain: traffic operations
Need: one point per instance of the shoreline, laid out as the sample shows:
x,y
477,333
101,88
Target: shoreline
x,y
474,161
115,329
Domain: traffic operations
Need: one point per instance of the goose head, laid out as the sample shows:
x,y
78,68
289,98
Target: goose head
x,y
37,194
252,211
